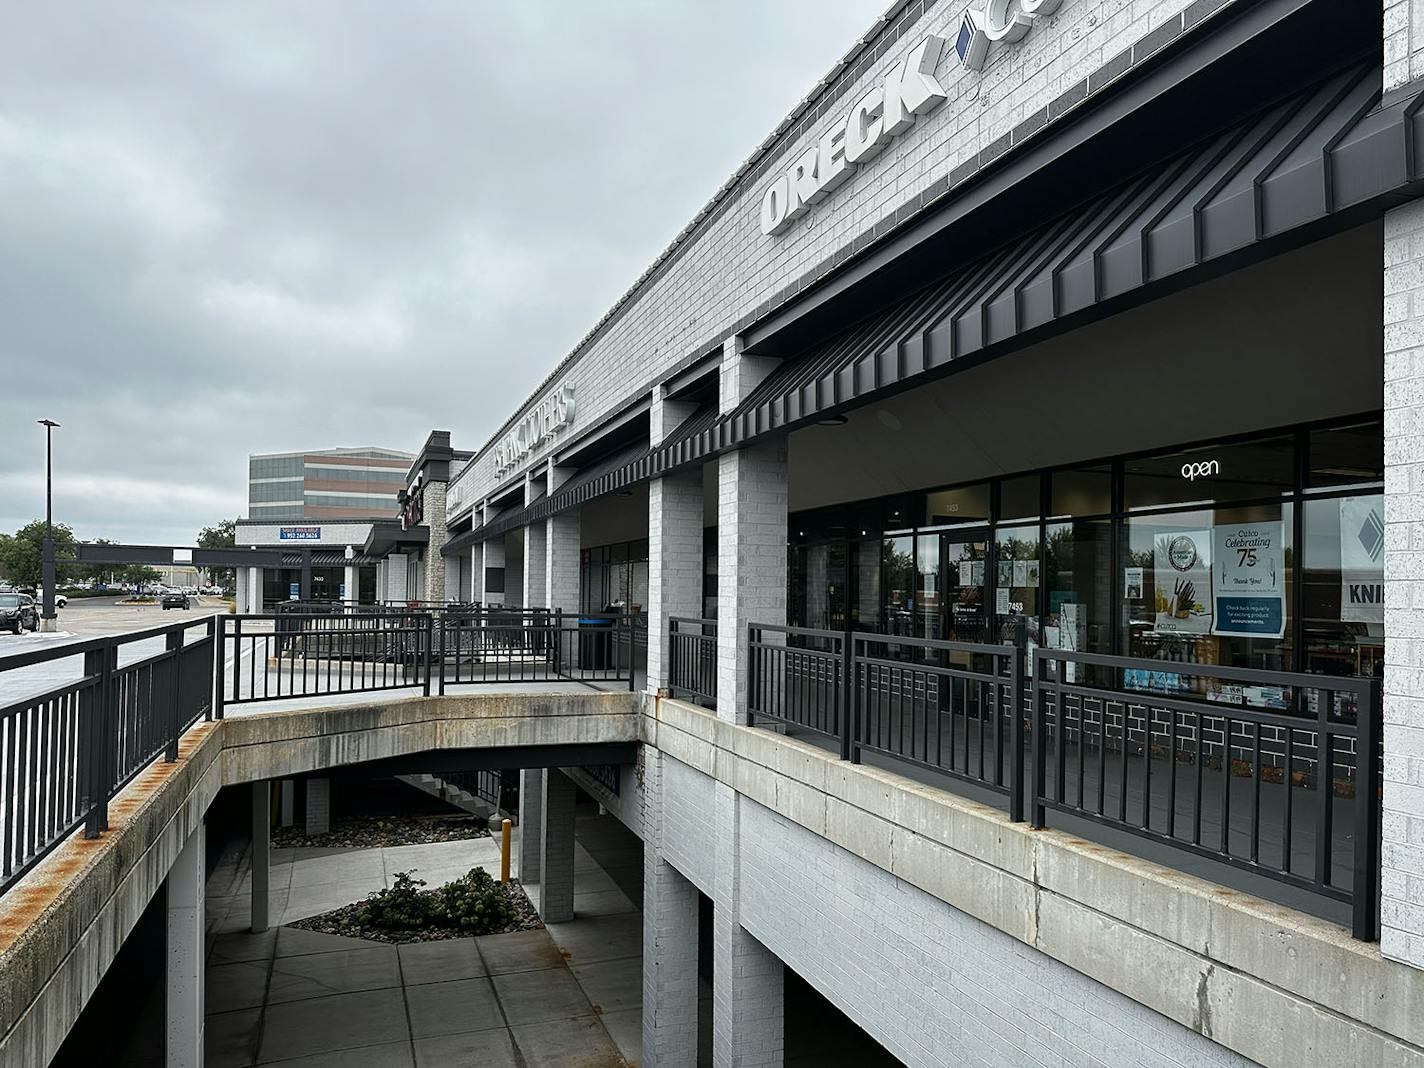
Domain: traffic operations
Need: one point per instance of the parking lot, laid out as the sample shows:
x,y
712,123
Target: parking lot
x,y
89,617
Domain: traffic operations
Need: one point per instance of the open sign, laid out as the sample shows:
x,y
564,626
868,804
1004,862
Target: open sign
x,y
1200,469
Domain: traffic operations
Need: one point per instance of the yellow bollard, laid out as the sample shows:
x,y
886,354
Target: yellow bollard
x,y
504,832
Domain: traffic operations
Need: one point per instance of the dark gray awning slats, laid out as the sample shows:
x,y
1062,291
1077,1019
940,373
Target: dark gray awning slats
x,y
1297,163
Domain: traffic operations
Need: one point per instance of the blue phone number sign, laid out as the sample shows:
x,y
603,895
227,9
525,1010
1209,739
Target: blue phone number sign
x,y
299,534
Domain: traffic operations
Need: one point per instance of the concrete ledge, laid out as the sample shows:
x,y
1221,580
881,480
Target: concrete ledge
x,y
61,926
1271,983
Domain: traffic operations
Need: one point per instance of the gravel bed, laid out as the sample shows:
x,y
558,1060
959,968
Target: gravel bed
x,y
373,832
345,922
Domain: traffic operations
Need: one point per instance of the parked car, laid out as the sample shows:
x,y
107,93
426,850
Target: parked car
x,y
60,600
174,599
18,612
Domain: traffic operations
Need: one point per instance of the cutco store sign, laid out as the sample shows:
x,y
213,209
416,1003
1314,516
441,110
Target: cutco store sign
x,y
541,423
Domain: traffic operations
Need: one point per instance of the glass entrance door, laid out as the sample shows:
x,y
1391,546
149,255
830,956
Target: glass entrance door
x,y
963,606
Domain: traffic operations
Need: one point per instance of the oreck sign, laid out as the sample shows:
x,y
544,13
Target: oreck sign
x,y
538,425
908,90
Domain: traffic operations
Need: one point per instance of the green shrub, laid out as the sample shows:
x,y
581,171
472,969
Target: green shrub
x,y
474,903
401,907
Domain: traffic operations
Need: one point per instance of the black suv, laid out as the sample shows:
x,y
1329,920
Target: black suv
x,y
174,599
18,612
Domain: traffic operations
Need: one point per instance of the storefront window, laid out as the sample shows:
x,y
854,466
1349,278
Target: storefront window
x,y
898,568
866,553
1077,561
1019,498
1342,605
1346,456
1241,472
965,562
928,590
963,504
1081,491
1017,580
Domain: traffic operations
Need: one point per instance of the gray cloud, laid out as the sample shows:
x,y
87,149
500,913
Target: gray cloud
x,y
244,228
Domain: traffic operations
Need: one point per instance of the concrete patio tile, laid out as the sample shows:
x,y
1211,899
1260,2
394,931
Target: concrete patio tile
x,y
316,974
385,1055
593,881
452,1008
339,1021
487,1049
360,866
613,985
582,1043
243,946
602,903
437,962
594,938
294,942
541,997
626,1029
520,951
235,986
308,901
230,1039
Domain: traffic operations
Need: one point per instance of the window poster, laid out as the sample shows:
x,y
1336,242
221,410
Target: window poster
x,y
1362,560
1181,577
1249,579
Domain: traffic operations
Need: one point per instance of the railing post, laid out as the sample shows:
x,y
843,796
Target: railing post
x,y
556,640
1038,742
91,735
753,682
632,649
1366,892
847,698
174,645
237,660
215,631
107,757
428,626
443,622
1016,739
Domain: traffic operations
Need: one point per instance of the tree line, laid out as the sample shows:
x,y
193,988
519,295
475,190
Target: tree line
x,y
21,557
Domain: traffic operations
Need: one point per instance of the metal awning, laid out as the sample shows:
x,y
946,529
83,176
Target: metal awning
x,y
1317,163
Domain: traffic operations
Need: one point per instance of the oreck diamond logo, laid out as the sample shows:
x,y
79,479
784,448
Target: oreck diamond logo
x,y
996,22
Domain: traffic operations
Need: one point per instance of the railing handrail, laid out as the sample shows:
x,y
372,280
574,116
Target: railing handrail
x,y
796,632
946,645
1265,676
693,620
30,657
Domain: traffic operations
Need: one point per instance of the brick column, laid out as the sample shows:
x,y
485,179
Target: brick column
x,y
536,555
1402,905
492,575
556,860
531,823
674,542
318,807
242,585
748,980
396,577
670,941
186,942
563,543
254,590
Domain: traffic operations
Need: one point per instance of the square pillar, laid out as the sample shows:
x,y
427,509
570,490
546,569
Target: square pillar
x,y
531,823
184,966
748,980
751,562
434,518
670,939
563,544
318,807
1402,854
254,590
536,555
674,564
261,854
556,860
396,577
352,592
242,588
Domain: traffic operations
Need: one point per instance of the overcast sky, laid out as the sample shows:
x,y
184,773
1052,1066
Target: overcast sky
x,y
229,228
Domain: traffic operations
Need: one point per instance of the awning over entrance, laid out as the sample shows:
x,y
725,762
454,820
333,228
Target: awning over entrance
x,y
1317,163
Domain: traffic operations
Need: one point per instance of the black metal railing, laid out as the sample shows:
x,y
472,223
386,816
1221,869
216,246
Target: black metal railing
x,y
67,749
1287,786
290,654
492,644
1276,773
692,659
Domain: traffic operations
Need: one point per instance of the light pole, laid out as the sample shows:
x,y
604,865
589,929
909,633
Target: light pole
x,y
47,556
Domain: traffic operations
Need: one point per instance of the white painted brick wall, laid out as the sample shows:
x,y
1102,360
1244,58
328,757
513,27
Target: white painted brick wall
x,y
1403,42
562,563
536,557
1402,905
732,267
556,861
397,574
531,823
493,558
674,563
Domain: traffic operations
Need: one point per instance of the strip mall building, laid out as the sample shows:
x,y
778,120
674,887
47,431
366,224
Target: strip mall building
x,y
1089,326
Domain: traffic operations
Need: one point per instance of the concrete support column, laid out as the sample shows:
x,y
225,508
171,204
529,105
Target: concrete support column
x,y
751,562
493,588
186,940
670,939
352,583
318,807
563,541
556,862
454,565
748,980
254,590
536,556
261,854
1402,854
396,577
674,564
287,815
242,589
531,823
